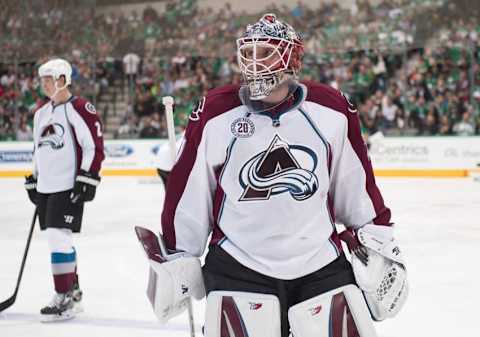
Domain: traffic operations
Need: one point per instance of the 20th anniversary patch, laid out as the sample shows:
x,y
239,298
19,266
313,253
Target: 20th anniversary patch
x,y
242,127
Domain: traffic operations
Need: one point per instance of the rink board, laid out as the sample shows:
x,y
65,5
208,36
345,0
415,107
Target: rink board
x,y
391,157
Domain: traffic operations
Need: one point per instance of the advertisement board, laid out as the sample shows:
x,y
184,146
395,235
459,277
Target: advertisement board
x,y
391,156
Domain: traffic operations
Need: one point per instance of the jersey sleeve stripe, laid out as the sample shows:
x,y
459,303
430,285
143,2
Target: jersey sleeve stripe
x,y
329,97
214,104
179,175
218,202
383,213
92,132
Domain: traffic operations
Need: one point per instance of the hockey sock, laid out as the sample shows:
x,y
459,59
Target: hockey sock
x,y
63,258
63,269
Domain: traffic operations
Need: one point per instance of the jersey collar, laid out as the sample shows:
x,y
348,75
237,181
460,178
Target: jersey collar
x,y
298,91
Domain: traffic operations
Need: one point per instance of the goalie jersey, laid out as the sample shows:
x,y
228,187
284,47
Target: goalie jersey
x,y
269,188
67,137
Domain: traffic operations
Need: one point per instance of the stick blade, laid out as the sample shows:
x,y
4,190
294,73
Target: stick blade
x,y
8,302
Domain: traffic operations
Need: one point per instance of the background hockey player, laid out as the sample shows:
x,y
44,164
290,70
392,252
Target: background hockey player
x,y
267,169
68,152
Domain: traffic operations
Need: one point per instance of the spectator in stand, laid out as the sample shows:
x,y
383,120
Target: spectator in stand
x,y
418,114
129,127
389,113
355,50
465,127
24,131
431,124
445,127
150,129
131,62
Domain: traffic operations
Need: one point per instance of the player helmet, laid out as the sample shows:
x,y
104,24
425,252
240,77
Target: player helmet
x,y
56,68
268,53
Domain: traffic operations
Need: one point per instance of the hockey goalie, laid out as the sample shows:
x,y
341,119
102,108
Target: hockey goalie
x,y
266,171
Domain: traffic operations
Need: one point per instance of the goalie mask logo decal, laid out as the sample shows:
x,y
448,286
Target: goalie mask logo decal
x,y
277,170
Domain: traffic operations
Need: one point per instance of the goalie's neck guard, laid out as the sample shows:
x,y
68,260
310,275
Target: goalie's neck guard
x,y
295,97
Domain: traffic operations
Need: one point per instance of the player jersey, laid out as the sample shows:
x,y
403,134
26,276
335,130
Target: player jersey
x,y
270,188
67,137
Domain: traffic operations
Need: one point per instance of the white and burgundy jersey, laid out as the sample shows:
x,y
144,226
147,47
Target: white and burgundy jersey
x,y
268,189
67,137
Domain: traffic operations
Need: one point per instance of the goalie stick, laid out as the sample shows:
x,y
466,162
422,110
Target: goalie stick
x,y
168,102
11,300
154,247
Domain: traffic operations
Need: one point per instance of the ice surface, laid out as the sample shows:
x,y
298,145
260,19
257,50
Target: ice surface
x,y
437,223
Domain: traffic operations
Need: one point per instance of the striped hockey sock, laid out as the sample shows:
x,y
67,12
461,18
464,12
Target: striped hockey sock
x,y
63,269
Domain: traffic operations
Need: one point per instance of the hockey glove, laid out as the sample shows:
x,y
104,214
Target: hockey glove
x,y
31,187
85,186
383,278
173,277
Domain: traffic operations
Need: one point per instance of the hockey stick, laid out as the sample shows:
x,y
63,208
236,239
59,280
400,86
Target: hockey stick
x,y
190,318
9,302
168,103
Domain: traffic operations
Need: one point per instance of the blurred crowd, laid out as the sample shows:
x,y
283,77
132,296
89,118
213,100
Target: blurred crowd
x,y
412,67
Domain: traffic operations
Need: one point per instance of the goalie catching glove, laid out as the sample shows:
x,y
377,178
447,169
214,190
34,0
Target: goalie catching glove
x,y
173,279
379,269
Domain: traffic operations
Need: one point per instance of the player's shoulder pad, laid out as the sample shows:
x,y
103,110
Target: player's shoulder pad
x,y
330,97
216,102
83,106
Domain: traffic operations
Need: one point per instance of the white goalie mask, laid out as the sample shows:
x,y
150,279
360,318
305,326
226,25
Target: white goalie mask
x,y
268,53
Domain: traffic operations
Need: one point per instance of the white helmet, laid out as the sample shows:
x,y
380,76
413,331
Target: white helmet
x,y
57,68
284,51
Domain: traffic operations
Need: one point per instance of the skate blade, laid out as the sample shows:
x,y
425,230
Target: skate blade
x,y
69,314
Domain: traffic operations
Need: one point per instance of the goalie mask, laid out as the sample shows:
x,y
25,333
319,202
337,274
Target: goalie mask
x,y
268,53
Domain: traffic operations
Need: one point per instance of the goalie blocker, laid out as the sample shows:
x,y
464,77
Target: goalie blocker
x,y
173,278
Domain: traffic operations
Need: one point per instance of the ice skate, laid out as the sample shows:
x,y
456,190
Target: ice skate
x,y
77,295
60,308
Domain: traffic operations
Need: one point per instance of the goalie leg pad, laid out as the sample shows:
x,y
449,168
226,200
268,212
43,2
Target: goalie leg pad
x,y
242,314
337,313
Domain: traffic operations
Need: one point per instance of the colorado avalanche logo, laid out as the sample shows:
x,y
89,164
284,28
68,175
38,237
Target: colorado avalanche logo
x,y
277,170
52,135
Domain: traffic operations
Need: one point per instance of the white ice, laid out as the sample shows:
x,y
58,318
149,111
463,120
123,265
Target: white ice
x,y
437,223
